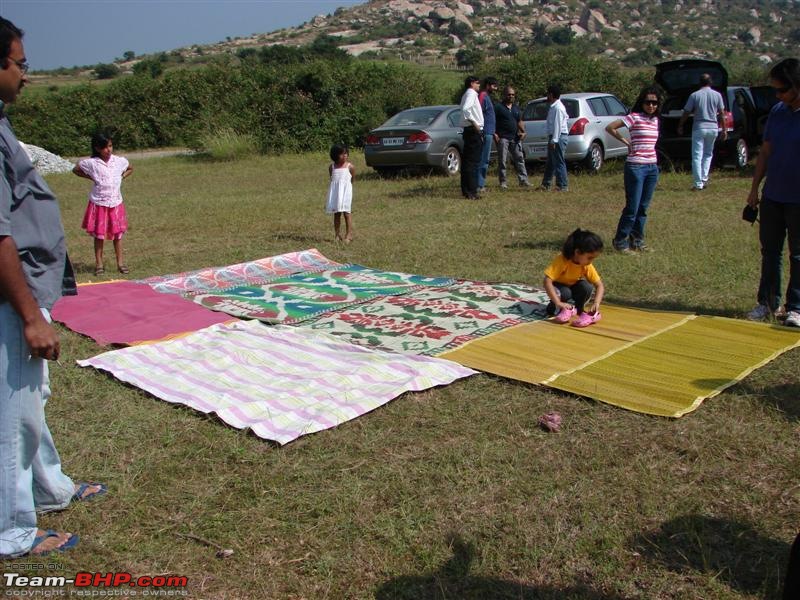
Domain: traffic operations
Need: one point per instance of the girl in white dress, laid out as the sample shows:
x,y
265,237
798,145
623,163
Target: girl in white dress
x,y
340,192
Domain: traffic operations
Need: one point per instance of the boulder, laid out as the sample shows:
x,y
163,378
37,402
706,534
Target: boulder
x,y
754,34
465,9
460,18
442,13
455,40
318,21
577,30
592,20
764,59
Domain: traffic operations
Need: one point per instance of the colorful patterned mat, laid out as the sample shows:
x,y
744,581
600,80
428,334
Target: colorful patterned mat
x,y
125,312
433,320
281,382
301,296
247,273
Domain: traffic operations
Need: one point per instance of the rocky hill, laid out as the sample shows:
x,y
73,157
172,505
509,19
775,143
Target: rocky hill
x,y
434,31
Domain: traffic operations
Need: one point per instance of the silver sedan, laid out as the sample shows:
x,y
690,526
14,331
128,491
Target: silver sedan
x,y
426,136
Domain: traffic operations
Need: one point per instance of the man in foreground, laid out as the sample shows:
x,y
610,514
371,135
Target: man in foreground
x,y
34,272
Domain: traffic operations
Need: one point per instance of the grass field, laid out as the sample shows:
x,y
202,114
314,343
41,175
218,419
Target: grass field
x,y
452,493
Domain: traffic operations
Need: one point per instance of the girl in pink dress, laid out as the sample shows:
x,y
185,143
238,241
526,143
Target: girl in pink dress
x,y
105,217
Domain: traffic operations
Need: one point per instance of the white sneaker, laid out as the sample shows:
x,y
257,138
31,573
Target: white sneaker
x,y
759,313
792,319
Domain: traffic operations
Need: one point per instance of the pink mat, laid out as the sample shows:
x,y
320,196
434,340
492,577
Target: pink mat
x,y
125,312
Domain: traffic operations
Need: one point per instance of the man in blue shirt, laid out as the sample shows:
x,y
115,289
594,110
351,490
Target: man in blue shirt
x,y
488,88
34,272
779,161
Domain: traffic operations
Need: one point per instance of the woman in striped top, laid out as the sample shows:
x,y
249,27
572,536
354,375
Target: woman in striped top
x,y
641,168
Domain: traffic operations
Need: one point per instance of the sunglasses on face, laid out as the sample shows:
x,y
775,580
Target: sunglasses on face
x,y
21,65
782,90
651,102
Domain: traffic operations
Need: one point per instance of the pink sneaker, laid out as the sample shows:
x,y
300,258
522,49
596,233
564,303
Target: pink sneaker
x,y
565,315
586,319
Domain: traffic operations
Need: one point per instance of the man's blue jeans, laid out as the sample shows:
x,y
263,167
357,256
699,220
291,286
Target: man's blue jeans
x,y
702,151
777,220
483,168
640,183
556,164
31,479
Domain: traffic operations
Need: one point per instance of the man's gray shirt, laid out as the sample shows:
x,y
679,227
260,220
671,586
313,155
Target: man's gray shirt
x,y
29,213
705,105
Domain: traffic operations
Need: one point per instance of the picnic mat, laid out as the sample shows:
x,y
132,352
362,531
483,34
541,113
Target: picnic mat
x,y
670,374
246,273
538,352
125,312
281,382
303,295
652,362
432,320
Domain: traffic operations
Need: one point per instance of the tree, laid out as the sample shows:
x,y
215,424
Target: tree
x,y
469,57
149,67
106,71
128,55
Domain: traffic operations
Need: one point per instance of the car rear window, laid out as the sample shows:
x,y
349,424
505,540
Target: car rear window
x,y
683,79
537,111
415,117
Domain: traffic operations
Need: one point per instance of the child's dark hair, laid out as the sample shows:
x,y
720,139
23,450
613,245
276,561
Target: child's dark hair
x,y
337,150
582,241
99,141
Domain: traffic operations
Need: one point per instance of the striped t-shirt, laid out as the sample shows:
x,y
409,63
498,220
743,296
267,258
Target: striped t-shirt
x,y
644,135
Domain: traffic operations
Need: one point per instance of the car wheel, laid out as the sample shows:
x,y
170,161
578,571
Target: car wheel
x,y
594,158
742,154
451,163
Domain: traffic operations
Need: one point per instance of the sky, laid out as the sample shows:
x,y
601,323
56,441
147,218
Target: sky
x,y
66,33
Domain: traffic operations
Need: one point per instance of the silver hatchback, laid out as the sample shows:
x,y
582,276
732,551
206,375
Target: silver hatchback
x,y
588,142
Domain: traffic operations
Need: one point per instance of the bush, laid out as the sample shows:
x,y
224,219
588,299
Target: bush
x,y
226,144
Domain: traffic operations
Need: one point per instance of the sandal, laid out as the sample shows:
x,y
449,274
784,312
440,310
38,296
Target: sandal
x,y
99,271
71,542
123,269
80,494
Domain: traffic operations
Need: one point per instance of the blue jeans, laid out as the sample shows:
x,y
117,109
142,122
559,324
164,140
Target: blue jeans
x,y
640,183
777,220
702,151
556,164
30,470
483,167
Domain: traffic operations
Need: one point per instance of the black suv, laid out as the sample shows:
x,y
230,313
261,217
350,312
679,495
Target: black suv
x,y
746,111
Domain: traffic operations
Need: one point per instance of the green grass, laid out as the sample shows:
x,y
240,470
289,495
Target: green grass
x,y
455,492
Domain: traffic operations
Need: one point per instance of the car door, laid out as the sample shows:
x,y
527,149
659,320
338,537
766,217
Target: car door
x,y
764,99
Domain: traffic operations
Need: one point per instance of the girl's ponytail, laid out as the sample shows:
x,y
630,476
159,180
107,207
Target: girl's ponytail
x,y
583,241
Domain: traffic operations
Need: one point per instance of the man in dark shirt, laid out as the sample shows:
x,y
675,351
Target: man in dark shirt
x,y
34,272
510,133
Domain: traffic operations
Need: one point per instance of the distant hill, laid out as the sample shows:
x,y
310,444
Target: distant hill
x,y
448,33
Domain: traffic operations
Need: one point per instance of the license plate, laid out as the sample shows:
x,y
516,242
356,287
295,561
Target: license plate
x,y
398,141
539,148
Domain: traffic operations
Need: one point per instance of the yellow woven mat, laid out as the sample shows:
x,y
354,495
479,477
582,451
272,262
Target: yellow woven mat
x,y
540,351
671,373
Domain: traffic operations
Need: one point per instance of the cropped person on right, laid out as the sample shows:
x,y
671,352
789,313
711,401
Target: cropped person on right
x,y
779,162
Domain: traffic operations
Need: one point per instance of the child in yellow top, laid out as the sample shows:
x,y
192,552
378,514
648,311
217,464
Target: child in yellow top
x,y
571,276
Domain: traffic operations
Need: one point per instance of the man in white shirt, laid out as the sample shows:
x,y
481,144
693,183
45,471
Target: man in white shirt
x,y
708,108
472,122
557,136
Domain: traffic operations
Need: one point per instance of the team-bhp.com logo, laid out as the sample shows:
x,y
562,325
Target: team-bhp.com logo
x,y
94,584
